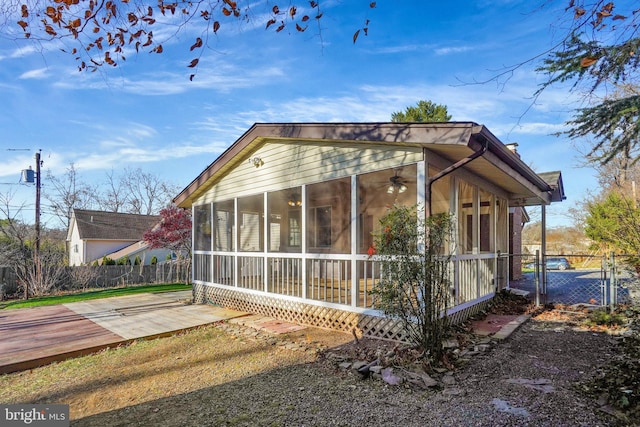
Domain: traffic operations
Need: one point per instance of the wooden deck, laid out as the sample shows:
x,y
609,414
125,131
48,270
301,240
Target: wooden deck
x,y
33,337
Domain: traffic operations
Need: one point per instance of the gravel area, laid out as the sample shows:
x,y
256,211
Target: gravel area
x,y
526,380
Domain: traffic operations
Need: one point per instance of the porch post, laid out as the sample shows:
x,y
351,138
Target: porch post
x,y
422,211
543,248
303,255
265,243
236,242
355,280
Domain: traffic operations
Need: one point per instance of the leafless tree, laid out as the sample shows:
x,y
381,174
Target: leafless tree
x,y
68,192
133,191
147,192
16,251
115,197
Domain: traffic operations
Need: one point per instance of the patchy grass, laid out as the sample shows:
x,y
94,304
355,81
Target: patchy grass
x,y
604,317
150,370
84,296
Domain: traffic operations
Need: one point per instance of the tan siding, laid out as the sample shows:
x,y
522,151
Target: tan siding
x,y
296,163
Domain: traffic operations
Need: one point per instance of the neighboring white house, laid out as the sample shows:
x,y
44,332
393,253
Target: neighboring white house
x,y
95,234
283,219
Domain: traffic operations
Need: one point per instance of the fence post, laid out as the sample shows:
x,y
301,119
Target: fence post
x,y
612,281
536,273
603,280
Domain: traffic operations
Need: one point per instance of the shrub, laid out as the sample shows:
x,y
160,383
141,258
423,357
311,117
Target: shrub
x,y
124,261
415,281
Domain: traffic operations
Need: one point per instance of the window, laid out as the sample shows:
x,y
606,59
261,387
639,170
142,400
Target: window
x,y
295,228
321,226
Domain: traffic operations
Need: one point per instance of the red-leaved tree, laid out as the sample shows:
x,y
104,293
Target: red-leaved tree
x,y
173,232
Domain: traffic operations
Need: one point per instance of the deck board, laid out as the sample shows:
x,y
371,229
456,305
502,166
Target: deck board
x,y
36,336
40,334
149,314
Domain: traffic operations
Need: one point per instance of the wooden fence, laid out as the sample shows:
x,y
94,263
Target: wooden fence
x,y
104,276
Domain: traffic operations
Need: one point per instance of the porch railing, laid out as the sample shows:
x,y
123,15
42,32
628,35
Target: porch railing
x,y
340,279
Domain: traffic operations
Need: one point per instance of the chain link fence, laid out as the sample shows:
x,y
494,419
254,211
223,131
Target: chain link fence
x,y
576,279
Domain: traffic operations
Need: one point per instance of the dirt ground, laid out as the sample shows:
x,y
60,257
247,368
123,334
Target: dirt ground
x,y
232,376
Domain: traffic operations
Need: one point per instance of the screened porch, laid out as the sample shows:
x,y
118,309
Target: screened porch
x,y
312,242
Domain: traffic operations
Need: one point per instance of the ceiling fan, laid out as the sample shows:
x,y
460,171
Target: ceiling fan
x,y
396,184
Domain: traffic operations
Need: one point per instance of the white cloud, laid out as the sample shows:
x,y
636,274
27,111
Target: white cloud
x,y
538,128
221,78
452,50
22,52
40,73
403,48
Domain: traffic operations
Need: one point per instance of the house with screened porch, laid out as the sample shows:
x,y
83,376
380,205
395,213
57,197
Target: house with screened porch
x,y
283,219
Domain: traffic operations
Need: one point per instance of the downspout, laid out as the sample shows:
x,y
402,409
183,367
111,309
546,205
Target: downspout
x,y
457,165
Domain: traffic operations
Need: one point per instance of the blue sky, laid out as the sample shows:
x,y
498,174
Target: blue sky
x,y
146,114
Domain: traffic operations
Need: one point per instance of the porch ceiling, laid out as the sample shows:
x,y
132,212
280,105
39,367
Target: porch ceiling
x,y
488,167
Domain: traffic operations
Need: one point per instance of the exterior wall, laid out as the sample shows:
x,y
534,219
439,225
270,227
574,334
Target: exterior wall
x,y
82,252
302,284
76,248
287,165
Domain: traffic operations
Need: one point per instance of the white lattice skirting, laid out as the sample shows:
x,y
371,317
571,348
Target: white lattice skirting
x,y
312,315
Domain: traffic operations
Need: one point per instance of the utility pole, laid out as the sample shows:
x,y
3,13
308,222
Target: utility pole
x,y
36,250
28,175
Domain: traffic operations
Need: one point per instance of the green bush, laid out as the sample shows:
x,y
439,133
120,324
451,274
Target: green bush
x,y
415,281
605,318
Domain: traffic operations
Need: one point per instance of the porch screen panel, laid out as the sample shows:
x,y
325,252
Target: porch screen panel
x,y
440,192
502,226
202,227
285,225
441,200
377,191
328,210
250,218
466,216
223,226
487,221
